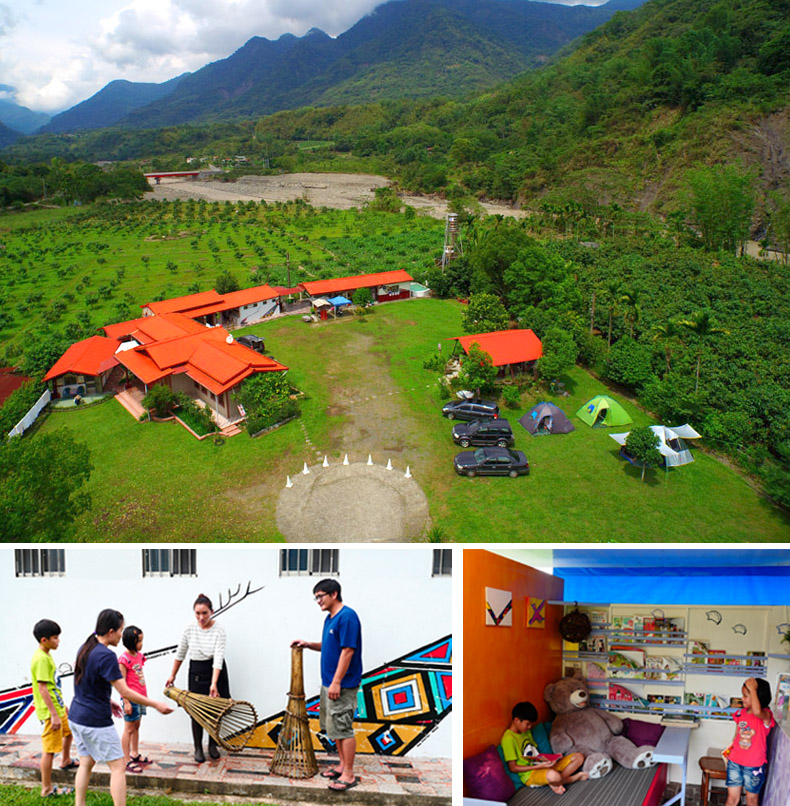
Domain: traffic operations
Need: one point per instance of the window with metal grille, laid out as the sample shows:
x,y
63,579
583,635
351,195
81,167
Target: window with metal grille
x,y
169,562
40,562
442,563
309,562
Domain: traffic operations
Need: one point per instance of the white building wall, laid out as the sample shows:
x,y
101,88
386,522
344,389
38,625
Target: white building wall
x,y
400,605
249,315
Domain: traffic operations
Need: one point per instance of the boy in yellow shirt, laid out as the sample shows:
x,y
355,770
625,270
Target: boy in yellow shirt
x,y
521,755
48,699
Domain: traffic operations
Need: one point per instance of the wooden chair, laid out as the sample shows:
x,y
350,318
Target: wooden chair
x,y
713,767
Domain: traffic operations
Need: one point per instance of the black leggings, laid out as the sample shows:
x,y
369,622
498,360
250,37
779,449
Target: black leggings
x,y
200,673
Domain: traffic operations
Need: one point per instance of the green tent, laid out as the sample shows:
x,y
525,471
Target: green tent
x,y
603,411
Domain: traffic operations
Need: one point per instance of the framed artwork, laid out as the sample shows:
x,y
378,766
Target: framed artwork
x,y
536,612
499,608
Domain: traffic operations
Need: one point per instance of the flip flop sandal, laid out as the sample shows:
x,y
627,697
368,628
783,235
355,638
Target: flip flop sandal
x,y
72,765
342,786
333,775
133,767
58,792
138,759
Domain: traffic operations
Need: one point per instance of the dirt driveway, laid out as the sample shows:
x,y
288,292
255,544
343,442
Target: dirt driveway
x,y
339,191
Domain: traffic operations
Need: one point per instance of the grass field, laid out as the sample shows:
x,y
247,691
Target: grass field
x,y
367,392
23,796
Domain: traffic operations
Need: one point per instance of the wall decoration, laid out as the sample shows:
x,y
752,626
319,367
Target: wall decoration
x,y
16,704
740,629
536,612
499,608
399,704
713,615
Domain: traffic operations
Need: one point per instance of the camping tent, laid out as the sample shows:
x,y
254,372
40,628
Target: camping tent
x,y
603,410
546,418
670,443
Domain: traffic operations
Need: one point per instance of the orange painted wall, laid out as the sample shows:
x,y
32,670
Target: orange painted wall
x,y
504,665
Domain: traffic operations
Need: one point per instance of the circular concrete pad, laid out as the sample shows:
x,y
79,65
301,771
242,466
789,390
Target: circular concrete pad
x,y
353,503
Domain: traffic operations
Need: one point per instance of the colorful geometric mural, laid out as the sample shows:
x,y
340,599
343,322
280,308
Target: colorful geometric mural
x,y
398,705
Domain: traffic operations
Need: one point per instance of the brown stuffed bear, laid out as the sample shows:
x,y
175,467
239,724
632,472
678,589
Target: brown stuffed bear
x,y
590,731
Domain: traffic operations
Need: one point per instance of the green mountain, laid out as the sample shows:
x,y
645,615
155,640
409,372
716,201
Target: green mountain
x,y
20,118
403,49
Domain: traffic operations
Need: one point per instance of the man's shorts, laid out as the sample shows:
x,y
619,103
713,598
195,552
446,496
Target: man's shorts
x,y
101,744
337,716
750,778
138,712
538,777
52,740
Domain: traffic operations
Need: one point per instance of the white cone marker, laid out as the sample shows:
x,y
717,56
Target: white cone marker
x,y
326,462
389,464
407,473
370,460
306,469
288,482
345,461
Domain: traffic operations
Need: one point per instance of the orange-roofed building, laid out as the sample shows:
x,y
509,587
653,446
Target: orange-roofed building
x,y
84,368
386,286
234,309
510,350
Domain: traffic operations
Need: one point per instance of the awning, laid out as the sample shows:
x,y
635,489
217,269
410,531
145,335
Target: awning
x,y
338,302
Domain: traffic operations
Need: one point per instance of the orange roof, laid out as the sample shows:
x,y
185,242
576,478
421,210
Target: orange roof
x,y
140,365
321,287
505,346
182,304
154,328
249,296
91,356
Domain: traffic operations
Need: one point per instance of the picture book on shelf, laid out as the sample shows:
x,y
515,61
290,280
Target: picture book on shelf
x,y
781,706
627,663
598,618
699,648
714,659
756,659
694,698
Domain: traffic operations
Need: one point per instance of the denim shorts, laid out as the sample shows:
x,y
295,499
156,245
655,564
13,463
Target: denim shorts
x,y
750,778
138,712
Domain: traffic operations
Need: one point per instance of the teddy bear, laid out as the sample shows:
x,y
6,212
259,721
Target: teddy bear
x,y
591,731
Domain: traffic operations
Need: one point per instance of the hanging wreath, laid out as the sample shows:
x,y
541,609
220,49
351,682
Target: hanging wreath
x,y
575,626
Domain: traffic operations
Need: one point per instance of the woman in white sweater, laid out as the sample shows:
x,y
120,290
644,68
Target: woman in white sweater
x,y
204,642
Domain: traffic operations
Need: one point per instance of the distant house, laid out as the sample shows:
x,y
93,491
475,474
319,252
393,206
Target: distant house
x,y
511,351
235,309
386,286
10,382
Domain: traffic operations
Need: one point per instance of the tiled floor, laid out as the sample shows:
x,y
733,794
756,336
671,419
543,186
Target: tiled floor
x,y
383,780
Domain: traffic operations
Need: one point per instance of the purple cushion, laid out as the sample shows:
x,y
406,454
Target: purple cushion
x,y
641,732
485,777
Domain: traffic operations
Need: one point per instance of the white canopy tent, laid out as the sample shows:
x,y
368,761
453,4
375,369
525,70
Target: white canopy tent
x,y
671,443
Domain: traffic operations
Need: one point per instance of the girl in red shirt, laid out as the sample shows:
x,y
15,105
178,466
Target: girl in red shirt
x,y
746,757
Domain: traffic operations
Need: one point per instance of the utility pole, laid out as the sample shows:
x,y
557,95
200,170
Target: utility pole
x,y
288,267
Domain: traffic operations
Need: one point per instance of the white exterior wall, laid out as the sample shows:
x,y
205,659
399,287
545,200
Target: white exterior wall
x,y
400,605
249,315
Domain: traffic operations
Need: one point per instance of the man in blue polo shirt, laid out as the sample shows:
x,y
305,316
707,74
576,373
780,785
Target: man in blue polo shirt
x,y
341,673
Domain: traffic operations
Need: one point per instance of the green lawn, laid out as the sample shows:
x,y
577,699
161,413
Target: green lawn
x,y
23,796
156,482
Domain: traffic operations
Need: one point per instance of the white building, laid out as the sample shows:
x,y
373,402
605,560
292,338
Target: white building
x,y
263,598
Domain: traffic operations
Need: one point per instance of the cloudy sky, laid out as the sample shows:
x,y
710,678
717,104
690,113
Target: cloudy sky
x,y
56,53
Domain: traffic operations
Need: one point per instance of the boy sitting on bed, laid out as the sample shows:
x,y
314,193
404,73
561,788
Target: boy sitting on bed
x,y
522,756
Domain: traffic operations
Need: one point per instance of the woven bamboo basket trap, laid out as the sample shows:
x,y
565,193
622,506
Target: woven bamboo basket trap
x,y
230,723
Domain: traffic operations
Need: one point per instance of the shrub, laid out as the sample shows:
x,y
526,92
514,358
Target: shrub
x,y
362,296
630,364
512,396
435,363
161,399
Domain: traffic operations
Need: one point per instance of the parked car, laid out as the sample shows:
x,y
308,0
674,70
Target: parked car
x,y
483,432
491,462
472,409
253,342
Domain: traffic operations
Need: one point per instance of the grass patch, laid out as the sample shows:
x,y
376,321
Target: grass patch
x,y
155,481
22,796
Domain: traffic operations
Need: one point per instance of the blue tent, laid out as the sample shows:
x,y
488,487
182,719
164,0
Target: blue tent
x,y
340,301
675,575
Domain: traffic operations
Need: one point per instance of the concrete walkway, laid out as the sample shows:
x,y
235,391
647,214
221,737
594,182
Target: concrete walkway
x,y
384,780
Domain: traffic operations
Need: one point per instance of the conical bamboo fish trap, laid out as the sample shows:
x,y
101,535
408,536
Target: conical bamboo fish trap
x,y
295,756
230,723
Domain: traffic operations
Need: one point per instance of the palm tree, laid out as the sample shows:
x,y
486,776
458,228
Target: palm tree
x,y
701,325
613,288
668,333
631,299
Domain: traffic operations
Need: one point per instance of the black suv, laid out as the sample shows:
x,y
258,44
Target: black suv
x,y
470,409
483,432
491,462
253,342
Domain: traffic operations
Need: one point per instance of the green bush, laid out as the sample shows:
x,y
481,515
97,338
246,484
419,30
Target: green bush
x,y
161,399
512,396
275,413
435,363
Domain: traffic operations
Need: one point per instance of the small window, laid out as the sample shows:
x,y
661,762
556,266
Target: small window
x,y
309,562
169,563
40,562
442,563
